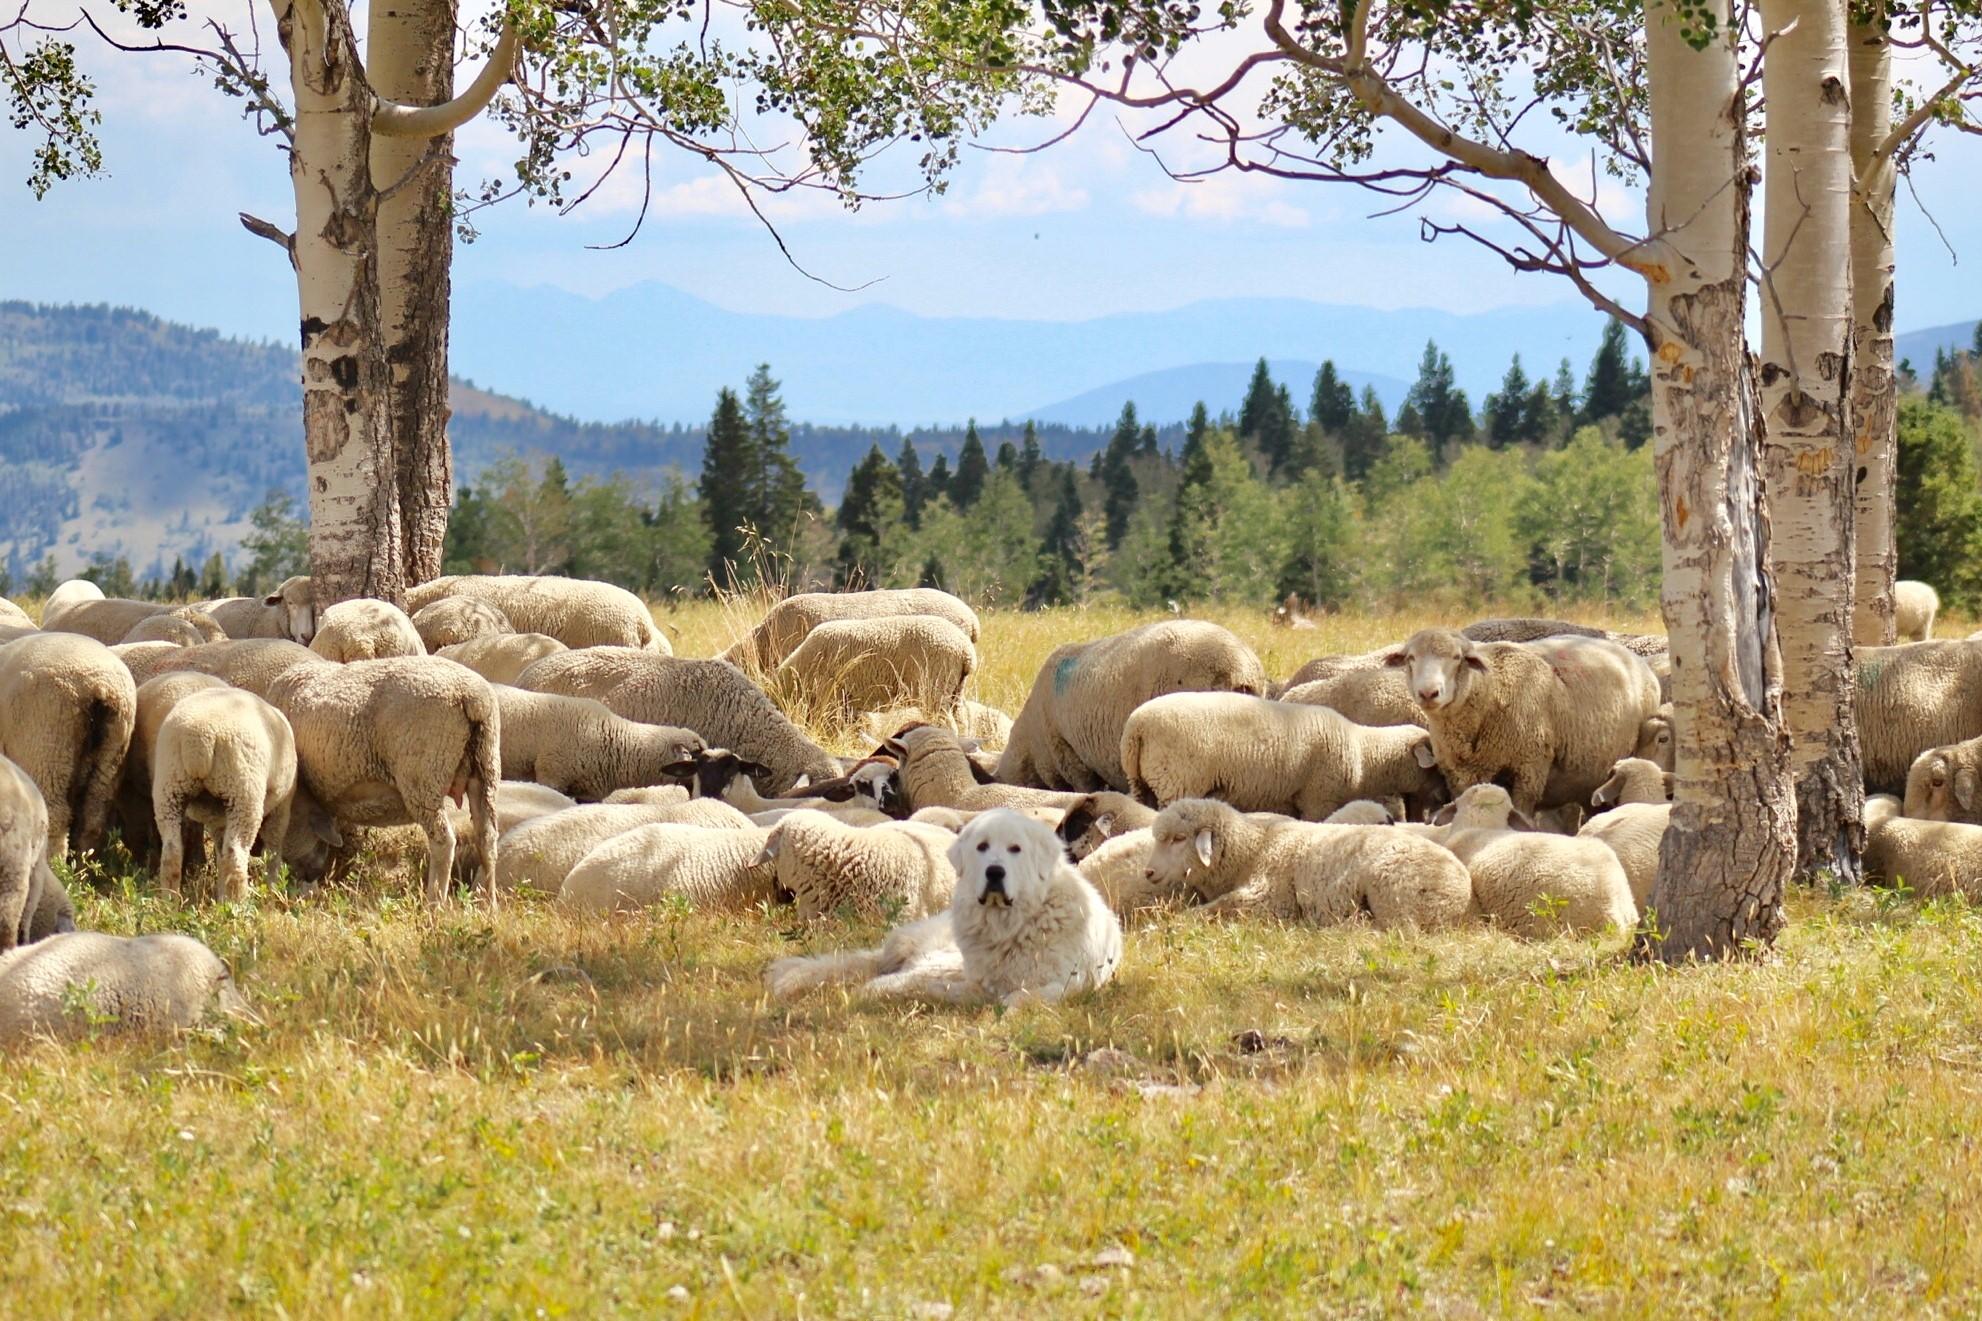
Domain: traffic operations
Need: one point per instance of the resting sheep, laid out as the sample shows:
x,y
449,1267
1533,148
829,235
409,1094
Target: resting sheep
x,y
711,697
708,866
900,869
541,852
1945,784
1069,733
500,658
1538,885
1377,698
936,773
453,620
788,622
1119,869
69,593
1100,817
578,747
987,726
23,845
576,611
516,801
1546,719
66,710
288,612
13,616
1931,858
1634,825
226,759
1913,697
84,982
364,629
1914,606
845,666
1265,756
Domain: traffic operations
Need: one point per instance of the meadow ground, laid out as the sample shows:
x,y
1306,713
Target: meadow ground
x,y
452,1113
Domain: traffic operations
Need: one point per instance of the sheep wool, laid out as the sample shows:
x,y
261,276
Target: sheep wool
x,y
456,619
1538,885
575,611
83,983
227,760
1119,870
710,867
364,629
1376,698
788,622
936,773
1914,606
289,613
1930,858
1913,697
578,747
67,706
23,842
828,865
538,854
1100,817
254,665
851,665
501,657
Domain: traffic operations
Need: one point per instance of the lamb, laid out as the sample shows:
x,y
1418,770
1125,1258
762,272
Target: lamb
x,y
578,747
1548,719
66,710
289,612
788,622
254,665
1913,697
501,658
1931,858
387,742
23,845
84,982
711,697
364,629
112,619
829,866
226,759
1119,869
1258,863
852,665
453,620
1100,817
155,699
709,866
540,853
1265,756
1369,697
1539,885
1069,733
575,611
1634,827
1914,606
936,773
1482,807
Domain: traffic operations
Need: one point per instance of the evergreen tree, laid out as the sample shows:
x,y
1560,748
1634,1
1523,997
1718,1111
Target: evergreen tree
x,y
1937,506
183,582
1609,388
213,578
1030,455
915,487
1199,424
868,515
45,578
1223,538
1333,403
937,486
728,462
1266,418
1539,419
1146,448
972,470
1442,413
1319,520
1258,403
1118,479
1063,556
1363,436
1565,390
277,548
779,499
1506,411
1008,458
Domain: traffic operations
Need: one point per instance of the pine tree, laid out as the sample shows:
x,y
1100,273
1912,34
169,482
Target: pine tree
x,y
1195,429
1333,403
1258,403
1506,411
1937,506
1363,436
972,468
915,486
1146,448
1030,455
728,466
1440,409
780,500
1008,457
213,578
1063,555
869,513
1539,419
1564,390
937,485
1608,389
1118,479
1266,418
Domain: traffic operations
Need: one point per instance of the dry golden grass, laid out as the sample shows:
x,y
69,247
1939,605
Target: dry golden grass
x,y
464,1114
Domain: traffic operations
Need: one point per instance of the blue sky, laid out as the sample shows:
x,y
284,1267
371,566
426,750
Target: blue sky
x,y
1089,228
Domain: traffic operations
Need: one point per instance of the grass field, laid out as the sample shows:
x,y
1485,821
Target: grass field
x,y
448,1113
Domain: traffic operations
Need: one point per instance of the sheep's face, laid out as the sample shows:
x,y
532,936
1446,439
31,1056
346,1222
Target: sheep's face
x,y
1484,807
1938,789
1086,827
1187,846
299,606
1437,664
1655,741
1004,860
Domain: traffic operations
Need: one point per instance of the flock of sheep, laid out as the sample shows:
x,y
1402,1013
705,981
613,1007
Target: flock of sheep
x,y
536,734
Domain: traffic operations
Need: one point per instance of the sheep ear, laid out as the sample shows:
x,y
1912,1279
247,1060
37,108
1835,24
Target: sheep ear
x,y
769,853
1204,847
1426,757
1473,658
1519,820
1395,659
680,769
1666,779
272,600
1601,798
1443,816
1106,820
979,774
755,770
1964,789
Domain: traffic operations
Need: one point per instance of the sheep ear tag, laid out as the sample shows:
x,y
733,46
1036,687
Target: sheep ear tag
x,y
1204,847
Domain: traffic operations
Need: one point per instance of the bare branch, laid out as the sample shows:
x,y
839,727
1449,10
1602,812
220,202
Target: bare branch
x,y
281,238
393,120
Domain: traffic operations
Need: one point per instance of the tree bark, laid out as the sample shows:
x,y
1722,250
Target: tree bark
x,y
1806,356
1731,844
1874,387
355,540
410,58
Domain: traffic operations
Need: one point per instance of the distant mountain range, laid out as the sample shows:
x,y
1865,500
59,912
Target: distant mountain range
x,y
1169,396
1918,346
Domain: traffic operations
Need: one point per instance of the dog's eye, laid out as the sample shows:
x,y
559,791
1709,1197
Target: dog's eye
x,y
984,846
1013,849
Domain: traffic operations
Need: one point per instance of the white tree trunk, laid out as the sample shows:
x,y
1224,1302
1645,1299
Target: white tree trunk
x,y
410,58
1806,355
1874,400
355,546
1730,848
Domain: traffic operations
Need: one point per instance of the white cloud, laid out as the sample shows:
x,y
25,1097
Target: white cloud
x,y
1226,198
1014,185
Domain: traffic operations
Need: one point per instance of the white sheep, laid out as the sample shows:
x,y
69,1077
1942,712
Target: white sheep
x,y
516,801
654,795
1549,719
788,622
66,710
23,845
1265,756
1258,863
226,759
68,594
1931,858
13,616
849,665
708,866
1911,698
111,620
54,914
1634,826
388,742
1526,629
987,726
1378,698
711,697
1120,870
578,747
1069,733
538,854
1328,667
576,611
1945,784
1655,738
288,612
453,620
1537,885
84,982
254,664
936,773
502,657
1914,606
1362,812
1100,817
827,865
156,697
169,628
365,629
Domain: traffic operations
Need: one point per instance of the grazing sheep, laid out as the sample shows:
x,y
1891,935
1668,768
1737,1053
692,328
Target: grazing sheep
x,y
713,698
288,612
66,710
226,759
1257,863
826,866
541,852
709,866
155,699
1265,756
1546,719
1539,885
1023,925
1914,606
501,658
1634,826
83,983
1098,818
364,629
936,773
1377,698
112,619
13,616
576,611
1931,858
788,622
578,747
388,742
1655,738
1069,733
851,665
68,594
453,620
1526,629
254,665
23,845
1913,697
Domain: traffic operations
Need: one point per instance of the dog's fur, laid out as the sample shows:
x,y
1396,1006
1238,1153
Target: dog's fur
x,y
1022,925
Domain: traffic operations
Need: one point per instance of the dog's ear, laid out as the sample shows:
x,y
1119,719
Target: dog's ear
x,y
1204,847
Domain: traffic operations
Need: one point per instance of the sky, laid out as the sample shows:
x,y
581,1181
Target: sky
x,y
1088,228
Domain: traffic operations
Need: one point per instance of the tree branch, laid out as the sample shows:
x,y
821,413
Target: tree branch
x,y
392,120
281,238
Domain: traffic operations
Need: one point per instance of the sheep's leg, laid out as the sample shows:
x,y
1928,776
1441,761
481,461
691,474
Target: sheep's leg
x,y
440,856
275,829
16,903
237,840
169,813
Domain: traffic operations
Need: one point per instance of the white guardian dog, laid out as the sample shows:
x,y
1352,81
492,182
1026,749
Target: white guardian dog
x,y
1022,925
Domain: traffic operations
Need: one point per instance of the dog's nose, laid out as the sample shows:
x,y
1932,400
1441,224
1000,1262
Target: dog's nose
x,y
995,875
